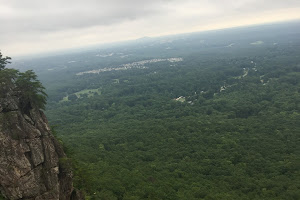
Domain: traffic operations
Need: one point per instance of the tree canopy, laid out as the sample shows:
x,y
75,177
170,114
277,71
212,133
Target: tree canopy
x,y
207,128
4,61
31,89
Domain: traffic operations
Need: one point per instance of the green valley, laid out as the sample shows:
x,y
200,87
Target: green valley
x,y
212,115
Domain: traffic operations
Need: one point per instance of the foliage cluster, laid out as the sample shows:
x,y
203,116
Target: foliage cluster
x,y
26,84
4,61
234,136
134,141
2,197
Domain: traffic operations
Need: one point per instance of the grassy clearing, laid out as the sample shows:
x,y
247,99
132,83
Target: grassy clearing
x,y
116,80
84,93
89,92
65,99
257,43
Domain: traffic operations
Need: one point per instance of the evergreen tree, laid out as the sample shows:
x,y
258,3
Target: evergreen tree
x,y
31,89
3,61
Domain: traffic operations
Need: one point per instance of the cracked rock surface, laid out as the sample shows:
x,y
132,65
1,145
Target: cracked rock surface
x,y
29,155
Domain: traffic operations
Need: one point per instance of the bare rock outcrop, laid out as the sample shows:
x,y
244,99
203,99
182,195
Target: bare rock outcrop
x,y
30,156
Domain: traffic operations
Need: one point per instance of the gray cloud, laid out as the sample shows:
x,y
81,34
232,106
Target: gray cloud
x,y
42,22
42,15
254,5
39,15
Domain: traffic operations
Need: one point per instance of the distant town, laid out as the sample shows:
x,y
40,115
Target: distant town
x,y
136,65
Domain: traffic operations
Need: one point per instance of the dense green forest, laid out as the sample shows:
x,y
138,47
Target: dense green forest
x,y
200,116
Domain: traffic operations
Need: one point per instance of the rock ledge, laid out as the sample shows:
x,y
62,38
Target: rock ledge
x,y
30,155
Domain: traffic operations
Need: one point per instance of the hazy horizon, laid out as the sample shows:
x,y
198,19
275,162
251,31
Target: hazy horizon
x,y
68,50
37,27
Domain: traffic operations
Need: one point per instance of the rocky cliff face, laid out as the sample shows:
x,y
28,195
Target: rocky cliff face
x,y
30,156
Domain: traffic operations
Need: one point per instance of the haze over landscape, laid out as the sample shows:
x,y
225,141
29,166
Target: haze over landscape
x,y
150,100
34,26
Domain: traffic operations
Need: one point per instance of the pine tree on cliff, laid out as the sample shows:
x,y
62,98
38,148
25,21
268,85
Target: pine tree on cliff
x,y
31,89
3,61
33,92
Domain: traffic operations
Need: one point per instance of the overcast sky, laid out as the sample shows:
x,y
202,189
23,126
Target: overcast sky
x,y
36,26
